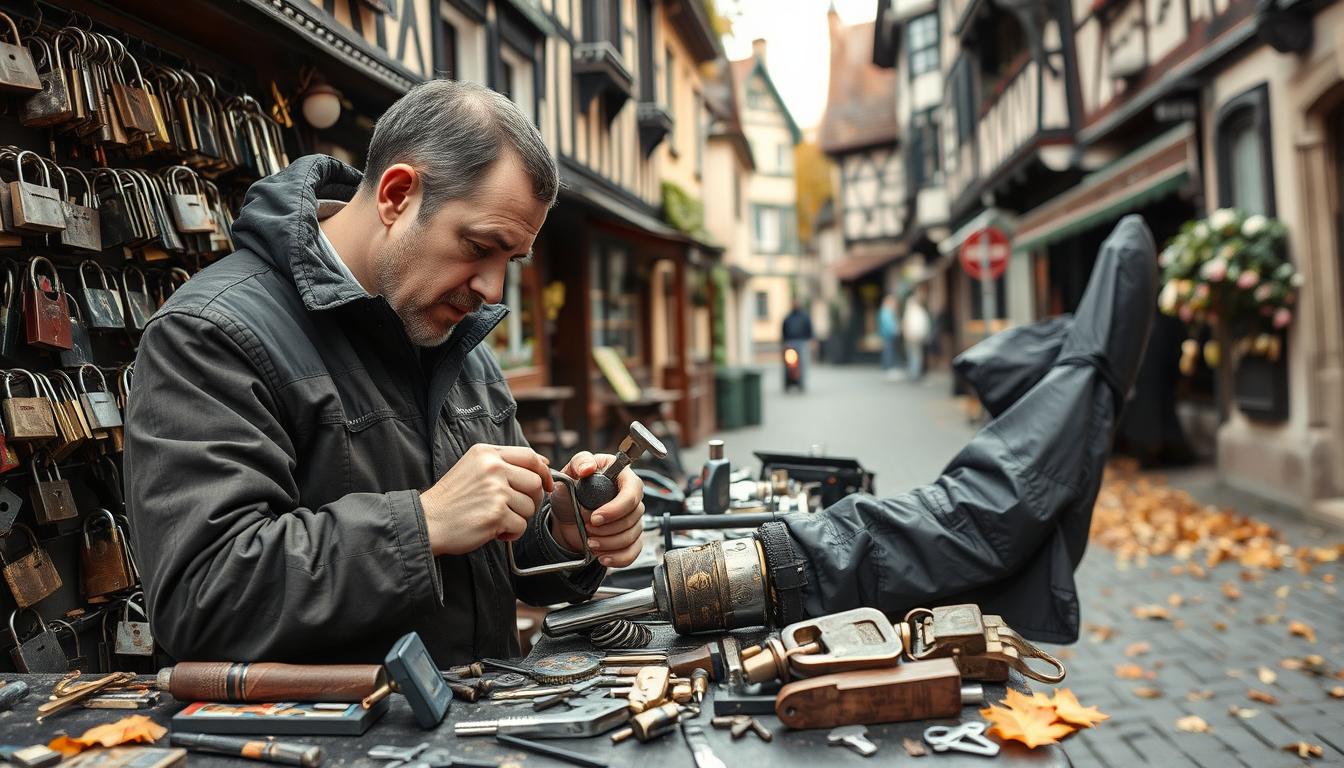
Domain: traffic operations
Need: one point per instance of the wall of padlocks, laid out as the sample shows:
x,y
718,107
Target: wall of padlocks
x,y
120,172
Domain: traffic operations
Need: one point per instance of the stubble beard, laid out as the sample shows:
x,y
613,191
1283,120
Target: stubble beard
x,y
393,273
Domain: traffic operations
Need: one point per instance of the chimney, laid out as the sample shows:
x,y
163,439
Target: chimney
x,y
758,49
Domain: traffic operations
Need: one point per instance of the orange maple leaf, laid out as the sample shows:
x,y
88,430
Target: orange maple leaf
x,y
1026,720
1070,711
136,729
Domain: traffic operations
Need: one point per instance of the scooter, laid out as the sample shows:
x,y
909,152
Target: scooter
x,y
793,368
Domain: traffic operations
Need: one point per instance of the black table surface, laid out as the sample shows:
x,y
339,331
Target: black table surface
x,y
398,727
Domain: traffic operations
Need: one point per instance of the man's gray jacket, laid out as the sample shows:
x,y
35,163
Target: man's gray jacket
x,y
279,430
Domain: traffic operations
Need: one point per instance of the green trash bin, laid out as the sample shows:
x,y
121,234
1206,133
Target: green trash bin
x,y
751,397
728,398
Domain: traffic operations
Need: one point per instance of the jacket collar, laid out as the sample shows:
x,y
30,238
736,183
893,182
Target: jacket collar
x,y
278,223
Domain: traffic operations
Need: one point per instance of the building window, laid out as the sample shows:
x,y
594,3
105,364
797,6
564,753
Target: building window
x,y
514,340
699,136
602,22
925,159
515,75
614,297
669,93
737,196
762,305
757,98
1245,166
784,160
922,40
644,28
767,229
448,52
464,45
962,85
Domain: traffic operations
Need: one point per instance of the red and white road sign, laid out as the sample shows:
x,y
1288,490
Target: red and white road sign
x,y
973,252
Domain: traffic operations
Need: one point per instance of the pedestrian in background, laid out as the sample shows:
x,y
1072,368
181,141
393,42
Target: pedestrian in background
x,y
797,333
915,329
889,329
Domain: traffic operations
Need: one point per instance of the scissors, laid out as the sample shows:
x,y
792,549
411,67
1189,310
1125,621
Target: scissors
x,y
967,737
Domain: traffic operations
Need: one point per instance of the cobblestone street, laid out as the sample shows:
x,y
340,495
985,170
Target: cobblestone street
x,y
1217,644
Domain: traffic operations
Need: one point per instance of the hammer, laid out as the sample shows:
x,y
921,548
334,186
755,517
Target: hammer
x,y
599,488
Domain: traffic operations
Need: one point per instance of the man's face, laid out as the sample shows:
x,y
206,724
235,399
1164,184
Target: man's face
x,y
436,272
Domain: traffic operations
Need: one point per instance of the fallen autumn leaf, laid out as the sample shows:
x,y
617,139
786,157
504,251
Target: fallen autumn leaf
x,y
1303,630
1305,750
1193,724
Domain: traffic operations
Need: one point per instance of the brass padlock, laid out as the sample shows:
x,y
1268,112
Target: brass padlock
x,y
861,638
27,418
17,72
983,646
53,499
134,637
69,437
37,207
100,407
103,558
33,577
40,653
70,401
131,100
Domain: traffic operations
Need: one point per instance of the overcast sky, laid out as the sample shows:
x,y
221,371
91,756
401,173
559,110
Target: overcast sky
x,y
799,45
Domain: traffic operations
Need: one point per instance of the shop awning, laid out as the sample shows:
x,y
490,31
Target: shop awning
x,y
581,190
865,257
1157,169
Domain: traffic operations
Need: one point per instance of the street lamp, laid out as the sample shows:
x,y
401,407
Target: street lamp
x,y
321,105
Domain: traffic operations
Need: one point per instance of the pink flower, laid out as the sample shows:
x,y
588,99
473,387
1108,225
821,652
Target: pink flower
x,y
1202,291
1248,280
1214,270
1263,292
1186,313
1283,317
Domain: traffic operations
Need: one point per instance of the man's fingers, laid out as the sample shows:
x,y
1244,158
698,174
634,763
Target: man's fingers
x,y
616,540
583,464
622,558
520,504
631,519
512,527
528,459
526,482
629,493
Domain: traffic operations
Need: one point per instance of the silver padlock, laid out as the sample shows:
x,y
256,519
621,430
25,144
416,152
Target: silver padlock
x,y
10,502
133,637
100,407
39,653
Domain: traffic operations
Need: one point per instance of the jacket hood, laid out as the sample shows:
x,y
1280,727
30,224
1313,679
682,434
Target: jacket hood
x,y
278,223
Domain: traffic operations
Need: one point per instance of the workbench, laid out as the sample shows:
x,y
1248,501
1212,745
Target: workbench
x,y
398,727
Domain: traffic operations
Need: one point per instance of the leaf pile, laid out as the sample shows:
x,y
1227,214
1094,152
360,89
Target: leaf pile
x,y
1038,719
1138,516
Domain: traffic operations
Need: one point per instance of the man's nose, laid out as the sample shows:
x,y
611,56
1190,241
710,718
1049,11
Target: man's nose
x,y
489,283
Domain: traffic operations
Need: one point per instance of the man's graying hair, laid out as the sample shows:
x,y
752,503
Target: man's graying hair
x,y
452,133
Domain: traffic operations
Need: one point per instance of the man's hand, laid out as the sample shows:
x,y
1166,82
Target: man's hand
x,y
615,530
490,493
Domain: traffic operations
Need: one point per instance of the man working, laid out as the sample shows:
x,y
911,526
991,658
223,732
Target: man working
x,y
319,456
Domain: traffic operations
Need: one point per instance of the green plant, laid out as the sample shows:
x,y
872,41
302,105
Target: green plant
x,y
1230,270
682,211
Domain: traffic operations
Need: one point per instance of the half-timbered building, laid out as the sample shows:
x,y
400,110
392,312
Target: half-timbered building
x,y
859,131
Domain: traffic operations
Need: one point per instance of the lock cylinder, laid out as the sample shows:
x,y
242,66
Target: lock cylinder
x,y
710,588
713,587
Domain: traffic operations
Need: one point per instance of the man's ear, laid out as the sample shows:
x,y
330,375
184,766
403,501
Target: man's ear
x,y
398,193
